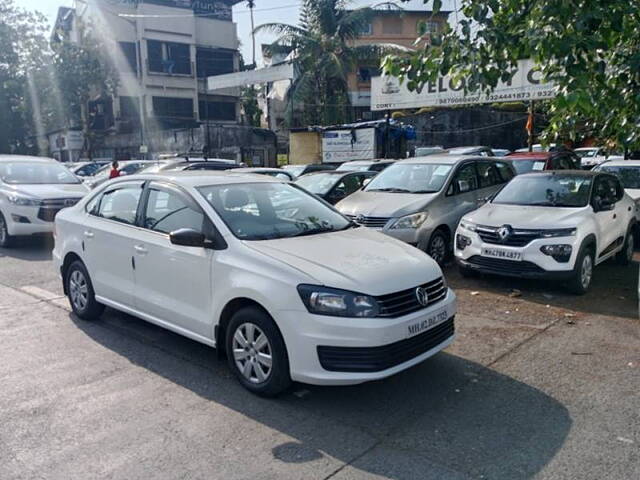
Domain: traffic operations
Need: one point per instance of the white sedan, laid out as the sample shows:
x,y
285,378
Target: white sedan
x,y
287,286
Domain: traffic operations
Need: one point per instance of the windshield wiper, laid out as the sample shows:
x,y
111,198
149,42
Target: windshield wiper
x,y
392,190
424,191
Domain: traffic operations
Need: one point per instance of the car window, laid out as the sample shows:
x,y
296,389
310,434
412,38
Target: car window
x,y
506,173
465,180
119,204
489,175
348,185
543,190
629,176
168,211
410,178
561,163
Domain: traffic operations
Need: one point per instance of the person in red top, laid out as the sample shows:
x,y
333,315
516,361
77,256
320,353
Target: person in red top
x,y
114,173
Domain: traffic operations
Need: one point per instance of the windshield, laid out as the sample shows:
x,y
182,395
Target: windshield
x,y
33,173
586,153
527,166
629,176
410,178
319,183
294,169
546,191
265,211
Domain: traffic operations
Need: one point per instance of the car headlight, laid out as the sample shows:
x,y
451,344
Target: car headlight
x,y
468,225
560,232
337,303
23,200
410,221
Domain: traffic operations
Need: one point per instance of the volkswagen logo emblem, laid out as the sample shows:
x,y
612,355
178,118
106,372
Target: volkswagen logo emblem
x,y
504,232
360,218
423,296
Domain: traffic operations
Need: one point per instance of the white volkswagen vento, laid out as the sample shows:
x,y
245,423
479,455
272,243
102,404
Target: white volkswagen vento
x,y
286,285
32,191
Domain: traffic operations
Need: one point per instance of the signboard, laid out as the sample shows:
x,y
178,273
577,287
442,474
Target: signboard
x,y
68,140
388,94
144,149
218,9
346,145
251,77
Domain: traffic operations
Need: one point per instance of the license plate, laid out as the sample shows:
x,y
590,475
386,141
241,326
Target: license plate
x,y
425,324
502,253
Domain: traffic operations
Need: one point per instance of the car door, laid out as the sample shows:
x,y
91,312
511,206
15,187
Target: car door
x,y
173,283
461,195
607,218
108,243
489,180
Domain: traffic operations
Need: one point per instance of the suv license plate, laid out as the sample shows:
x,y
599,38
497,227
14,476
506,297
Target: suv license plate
x,y
502,253
416,328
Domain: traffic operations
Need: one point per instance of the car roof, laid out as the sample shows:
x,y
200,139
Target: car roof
x,y
458,150
260,169
621,163
203,178
584,149
339,173
369,162
26,158
529,156
444,159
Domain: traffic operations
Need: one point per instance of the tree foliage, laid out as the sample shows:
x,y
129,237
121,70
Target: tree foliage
x,y
250,107
590,49
323,45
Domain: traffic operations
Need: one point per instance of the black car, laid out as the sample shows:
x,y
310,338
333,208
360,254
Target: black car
x,y
334,186
299,170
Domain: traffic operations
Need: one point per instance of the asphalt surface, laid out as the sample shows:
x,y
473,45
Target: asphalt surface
x,y
539,384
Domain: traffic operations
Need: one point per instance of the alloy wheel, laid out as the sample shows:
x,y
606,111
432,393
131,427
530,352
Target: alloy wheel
x,y
586,271
78,290
252,353
438,249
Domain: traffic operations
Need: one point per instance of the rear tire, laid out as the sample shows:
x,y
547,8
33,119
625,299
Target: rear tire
x,y
80,292
583,272
256,352
625,256
6,240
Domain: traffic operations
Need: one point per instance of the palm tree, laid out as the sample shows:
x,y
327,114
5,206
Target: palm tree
x,y
324,51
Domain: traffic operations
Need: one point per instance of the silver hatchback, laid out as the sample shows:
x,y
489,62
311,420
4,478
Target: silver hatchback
x,y
421,200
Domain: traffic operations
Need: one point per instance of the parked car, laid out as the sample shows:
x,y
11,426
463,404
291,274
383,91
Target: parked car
x,y
540,161
291,294
592,156
500,152
425,151
299,170
272,172
334,186
190,165
87,169
478,151
628,171
421,200
32,191
537,147
365,165
553,225
126,167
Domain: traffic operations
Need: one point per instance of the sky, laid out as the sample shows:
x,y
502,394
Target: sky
x,y
266,11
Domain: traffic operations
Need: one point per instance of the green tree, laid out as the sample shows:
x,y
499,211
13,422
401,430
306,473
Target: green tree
x,y
250,107
589,48
324,53
23,50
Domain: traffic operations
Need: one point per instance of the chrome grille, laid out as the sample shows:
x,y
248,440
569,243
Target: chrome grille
x,y
405,302
49,208
370,222
517,238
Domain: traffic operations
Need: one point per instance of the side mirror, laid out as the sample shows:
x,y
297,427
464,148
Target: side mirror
x,y
187,237
463,186
602,205
366,182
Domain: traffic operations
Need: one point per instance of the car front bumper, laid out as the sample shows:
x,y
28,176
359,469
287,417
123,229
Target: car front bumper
x,y
327,350
23,220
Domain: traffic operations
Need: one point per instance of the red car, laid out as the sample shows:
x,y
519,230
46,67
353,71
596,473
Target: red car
x,y
540,161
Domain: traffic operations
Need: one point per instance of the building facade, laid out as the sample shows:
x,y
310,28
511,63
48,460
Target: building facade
x,y
163,51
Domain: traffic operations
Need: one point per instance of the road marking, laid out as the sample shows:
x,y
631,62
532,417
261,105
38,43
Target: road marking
x,y
40,293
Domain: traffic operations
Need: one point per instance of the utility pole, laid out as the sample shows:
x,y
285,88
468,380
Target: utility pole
x,y
531,124
251,4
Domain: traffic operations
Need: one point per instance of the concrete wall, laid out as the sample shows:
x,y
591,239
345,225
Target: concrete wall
x,y
305,147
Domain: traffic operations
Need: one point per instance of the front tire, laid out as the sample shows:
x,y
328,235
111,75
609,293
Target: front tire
x,y
580,281
80,292
256,352
6,240
438,247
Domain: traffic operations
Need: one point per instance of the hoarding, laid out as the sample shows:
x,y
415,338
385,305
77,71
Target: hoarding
x,y
346,145
387,93
217,9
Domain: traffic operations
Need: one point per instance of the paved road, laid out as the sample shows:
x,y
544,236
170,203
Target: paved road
x,y
542,385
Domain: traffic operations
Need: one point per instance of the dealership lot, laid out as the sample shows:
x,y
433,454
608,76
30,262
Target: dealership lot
x,y
539,384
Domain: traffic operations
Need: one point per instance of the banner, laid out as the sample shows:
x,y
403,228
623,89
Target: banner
x,y
388,94
346,145
218,9
251,77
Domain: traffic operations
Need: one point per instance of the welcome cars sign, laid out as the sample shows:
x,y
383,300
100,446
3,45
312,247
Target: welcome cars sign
x,y
387,93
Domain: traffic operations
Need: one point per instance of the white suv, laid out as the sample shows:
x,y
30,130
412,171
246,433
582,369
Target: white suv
x,y
291,289
32,191
555,225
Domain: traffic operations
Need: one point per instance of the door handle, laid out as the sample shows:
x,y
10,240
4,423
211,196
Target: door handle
x,y
615,215
88,234
140,249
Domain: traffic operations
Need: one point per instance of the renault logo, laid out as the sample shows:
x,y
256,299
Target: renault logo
x,y
504,232
423,296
